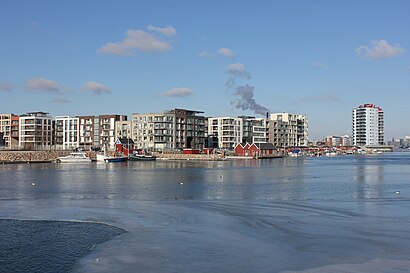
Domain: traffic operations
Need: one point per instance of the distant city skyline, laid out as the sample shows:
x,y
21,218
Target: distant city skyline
x,y
317,58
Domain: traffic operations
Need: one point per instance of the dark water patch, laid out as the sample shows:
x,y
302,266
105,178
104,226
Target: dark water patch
x,y
48,246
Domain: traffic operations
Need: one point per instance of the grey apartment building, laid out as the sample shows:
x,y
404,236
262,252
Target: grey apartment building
x,y
98,131
169,130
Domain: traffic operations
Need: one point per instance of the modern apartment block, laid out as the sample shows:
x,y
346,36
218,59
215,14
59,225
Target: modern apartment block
x,y
234,130
9,131
368,125
229,131
336,141
169,130
98,131
67,133
287,130
254,130
123,129
35,131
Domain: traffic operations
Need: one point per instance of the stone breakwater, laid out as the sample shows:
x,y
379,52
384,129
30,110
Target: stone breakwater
x,y
30,156
51,156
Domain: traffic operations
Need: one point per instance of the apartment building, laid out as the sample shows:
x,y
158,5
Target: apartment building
x,y
336,141
231,131
66,132
123,129
228,130
169,130
9,131
98,131
368,125
287,130
35,131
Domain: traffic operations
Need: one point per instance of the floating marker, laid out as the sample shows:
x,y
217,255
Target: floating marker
x,y
181,183
33,184
397,192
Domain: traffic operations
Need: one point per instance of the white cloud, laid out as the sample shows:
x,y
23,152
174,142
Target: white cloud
x,y
5,86
167,31
95,88
205,54
381,50
60,100
136,40
236,68
179,92
226,52
43,84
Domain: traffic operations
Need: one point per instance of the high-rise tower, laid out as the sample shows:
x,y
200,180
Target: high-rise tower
x,y
368,125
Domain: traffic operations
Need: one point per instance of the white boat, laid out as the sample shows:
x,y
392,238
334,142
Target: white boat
x,y
101,157
76,157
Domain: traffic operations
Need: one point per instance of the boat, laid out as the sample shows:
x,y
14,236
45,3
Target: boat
x,y
108,159
75,157
116,159
138,157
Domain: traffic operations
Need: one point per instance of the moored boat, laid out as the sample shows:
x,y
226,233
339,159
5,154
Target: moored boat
x,y
76,157
108,159
138,157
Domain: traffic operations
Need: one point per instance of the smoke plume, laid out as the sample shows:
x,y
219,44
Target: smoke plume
x,y
244,93
246,101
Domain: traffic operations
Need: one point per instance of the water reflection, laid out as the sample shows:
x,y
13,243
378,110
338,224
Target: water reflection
x,y
368,178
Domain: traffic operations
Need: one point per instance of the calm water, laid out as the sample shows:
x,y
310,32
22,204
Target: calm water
x,y
294,214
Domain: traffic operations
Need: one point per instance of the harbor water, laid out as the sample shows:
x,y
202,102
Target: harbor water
x,y
328,214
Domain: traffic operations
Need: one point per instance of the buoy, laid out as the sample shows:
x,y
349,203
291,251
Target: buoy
x,y
181,183
397,192
33,184
221,176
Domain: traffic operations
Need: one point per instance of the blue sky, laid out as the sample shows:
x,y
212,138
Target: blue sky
x,y
319,58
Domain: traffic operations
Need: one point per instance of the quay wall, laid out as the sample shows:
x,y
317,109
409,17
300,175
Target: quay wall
x,y
51,156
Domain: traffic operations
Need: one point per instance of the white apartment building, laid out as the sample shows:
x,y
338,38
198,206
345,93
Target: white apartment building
x,y
35,131
5,130
231,131
287,130
336,141
67,133
368,125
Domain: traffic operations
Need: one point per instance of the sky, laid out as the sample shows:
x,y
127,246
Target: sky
x,y
225,58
